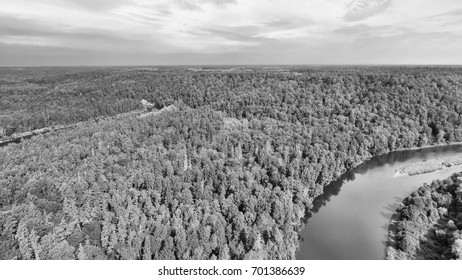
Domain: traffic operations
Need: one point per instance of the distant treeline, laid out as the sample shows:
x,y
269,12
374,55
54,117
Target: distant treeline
x,y
33,98
428,223
230,175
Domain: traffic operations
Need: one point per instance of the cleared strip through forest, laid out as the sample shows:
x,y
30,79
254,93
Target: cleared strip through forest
x,y
28,134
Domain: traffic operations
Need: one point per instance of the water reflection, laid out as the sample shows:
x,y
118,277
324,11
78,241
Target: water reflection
x,y
354,225
333,189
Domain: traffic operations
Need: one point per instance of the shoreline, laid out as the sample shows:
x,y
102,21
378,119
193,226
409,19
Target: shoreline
x,y
430,166
438,233
140,114
420,168
427,147
304,223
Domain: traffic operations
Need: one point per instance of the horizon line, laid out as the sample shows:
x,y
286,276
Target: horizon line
x,y
232,65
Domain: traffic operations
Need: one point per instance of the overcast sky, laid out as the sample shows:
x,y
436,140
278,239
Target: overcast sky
x,y
163,32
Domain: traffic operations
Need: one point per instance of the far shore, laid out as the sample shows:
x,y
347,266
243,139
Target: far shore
x,y
431,165
428,146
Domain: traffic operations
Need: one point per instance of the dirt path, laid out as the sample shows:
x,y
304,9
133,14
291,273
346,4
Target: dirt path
x,y
16,138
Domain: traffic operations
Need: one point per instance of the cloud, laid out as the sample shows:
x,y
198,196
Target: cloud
x,y
363,30
362,9
96,5
242,34
10,25
229,31
284,34
196,4
446,18
26,32
183,4
289,23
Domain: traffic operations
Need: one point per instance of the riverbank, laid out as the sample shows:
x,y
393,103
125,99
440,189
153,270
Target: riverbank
x,y
428,146
428,166
428,223
96,160
367,203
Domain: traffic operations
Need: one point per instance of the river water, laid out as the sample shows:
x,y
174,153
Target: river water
x,y
350,220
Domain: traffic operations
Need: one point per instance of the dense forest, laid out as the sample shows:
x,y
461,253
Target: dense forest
x,y
229,174
428,223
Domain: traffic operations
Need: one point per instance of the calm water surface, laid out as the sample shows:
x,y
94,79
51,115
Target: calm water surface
x,y
350,220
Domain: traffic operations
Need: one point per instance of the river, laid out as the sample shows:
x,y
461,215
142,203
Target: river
x,y
350,220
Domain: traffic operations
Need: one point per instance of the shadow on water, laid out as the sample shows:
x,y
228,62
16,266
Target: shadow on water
x,y
389,213
333,189
389,210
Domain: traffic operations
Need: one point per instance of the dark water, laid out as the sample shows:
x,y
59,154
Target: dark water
x,y
350,220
